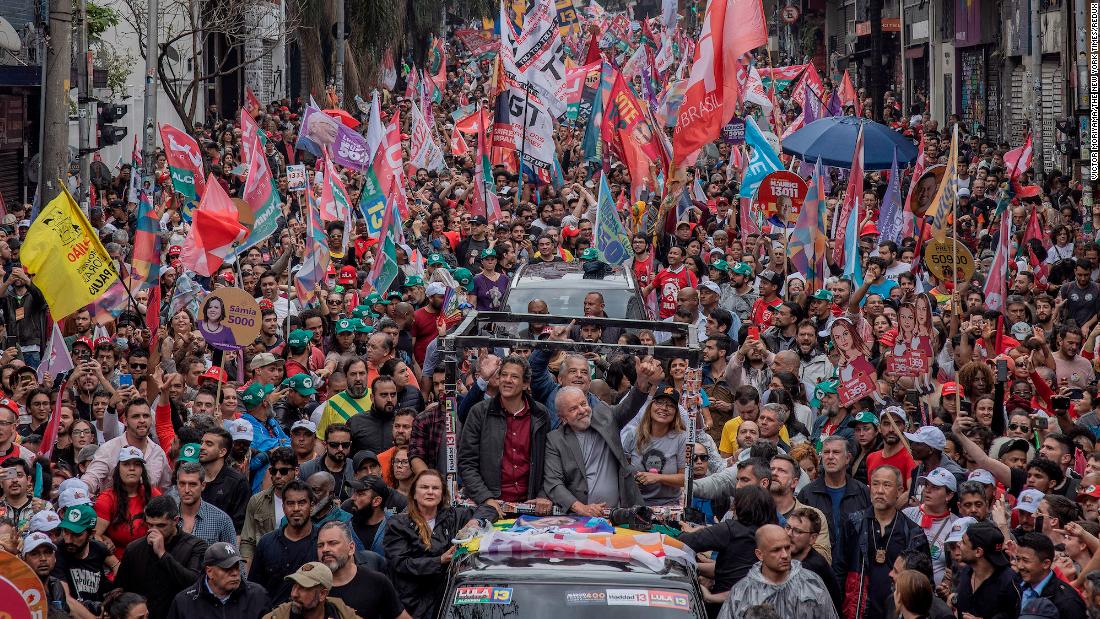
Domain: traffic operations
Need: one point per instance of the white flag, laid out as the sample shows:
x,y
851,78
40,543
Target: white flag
x,y
57,359
423,151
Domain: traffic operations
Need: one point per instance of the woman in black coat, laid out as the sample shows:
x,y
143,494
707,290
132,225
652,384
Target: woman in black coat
x,y
418,543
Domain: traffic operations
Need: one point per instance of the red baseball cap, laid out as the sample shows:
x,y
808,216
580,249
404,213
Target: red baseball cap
x,y
215,373
175,250
101,341
11,405
87,341
949,388
348,276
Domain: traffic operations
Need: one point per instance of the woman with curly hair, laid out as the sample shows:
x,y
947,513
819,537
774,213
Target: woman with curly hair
x,y
806,457
976,379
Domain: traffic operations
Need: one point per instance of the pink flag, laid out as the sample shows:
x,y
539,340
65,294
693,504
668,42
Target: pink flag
x,y
49,435
57,360
996,284
852,197
214,229
1018,160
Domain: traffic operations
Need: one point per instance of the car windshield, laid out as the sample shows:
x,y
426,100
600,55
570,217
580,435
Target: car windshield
x,y
570,301
573,600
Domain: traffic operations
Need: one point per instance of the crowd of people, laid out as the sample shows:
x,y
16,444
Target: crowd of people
x,y
308,477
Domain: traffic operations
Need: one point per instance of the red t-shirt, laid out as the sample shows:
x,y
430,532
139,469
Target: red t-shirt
x,y
902,460
123,533
763,312
424,329
668,285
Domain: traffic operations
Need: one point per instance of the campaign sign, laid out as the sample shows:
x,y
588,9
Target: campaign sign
x,y
229,319
733,132
296,177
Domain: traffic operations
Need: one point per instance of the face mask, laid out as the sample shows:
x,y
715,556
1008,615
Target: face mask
x,y
122,342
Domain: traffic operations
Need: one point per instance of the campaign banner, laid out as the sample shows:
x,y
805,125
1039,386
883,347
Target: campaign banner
x,y
423,151
611,239
318,131
762,159
184,162
351,150
296,177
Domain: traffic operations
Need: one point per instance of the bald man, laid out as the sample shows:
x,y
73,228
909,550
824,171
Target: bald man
x,y
779,580
687,299
327,508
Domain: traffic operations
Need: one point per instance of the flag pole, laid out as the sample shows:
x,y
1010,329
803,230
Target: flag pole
x,y
523,142
955,254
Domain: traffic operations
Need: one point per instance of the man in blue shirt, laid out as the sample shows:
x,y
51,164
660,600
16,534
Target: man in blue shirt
x,y
1033,564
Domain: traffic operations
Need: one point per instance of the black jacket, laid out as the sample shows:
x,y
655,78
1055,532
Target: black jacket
x,y
481,449
856,498
248,601
160,579
998,597
735,544
372,430
418,575
229,492
854,558
1069,603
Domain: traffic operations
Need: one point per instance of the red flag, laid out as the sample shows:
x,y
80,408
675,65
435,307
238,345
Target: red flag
x,y
251,103
996,285
1018,160
730,28
49,435
849,96
214,229
852,197
458,145
593,46
152,313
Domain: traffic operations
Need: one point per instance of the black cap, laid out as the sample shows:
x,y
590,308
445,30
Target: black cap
x,y
478,220
668,391
362,457
989,538
223,555
1013,444
373,483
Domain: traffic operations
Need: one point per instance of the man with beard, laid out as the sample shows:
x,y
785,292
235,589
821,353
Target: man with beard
x,y
832,419
369,516
842,290
373,430
803,526
821,315
370,594
355,399
402,430
893,452
198,517
82,562
1044,313
137,422
325,507
164,562
781,335
309,596
501,448
40,553
265,510
289,547
226,488
986,583
784,478
220,592
871,541
335,459
741,297
835,494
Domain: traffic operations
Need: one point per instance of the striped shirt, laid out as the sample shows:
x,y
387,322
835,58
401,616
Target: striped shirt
x,y
340,408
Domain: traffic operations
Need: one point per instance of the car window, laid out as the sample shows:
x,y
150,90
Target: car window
x,y
570,301
573,600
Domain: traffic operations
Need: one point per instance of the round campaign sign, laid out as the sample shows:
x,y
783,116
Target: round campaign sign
x,y
790,14
926,188
21,592
781,195
229,319
947,258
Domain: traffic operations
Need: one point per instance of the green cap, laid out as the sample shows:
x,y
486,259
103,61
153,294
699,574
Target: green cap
x,y
78,519
360,311
302,383
864,417
488,252
255,394
436,260
361,326
590,254
742,268
299,339
823,295
338,289
464,278
345,325
824,387
414,280
189,453
720,265
394,294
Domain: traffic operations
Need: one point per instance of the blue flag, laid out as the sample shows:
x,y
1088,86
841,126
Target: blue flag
x,y
852,268
762,161
891,214
612,241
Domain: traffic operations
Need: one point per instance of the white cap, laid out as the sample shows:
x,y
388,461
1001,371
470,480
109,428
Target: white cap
x,y
1029,500
45,520
304,423
958,529
128,453
981,476
239,429
940,477
36,539
894,410
928,435
435,288
74,482
711,286
73,496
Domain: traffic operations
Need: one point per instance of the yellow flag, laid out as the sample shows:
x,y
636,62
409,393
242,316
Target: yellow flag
x,y
64,257
947,196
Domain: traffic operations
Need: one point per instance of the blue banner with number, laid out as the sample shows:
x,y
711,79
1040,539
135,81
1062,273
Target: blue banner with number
x,y
612,241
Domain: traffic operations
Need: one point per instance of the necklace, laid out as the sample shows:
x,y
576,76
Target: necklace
x,y
880,553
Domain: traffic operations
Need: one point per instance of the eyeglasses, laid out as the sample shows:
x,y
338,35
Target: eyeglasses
x,y
6,423
340,444
139,366
1021,392
700,458
403,461
282,470
81,432
797,531
1019,427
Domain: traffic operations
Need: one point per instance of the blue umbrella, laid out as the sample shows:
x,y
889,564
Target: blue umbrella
x,y
833,141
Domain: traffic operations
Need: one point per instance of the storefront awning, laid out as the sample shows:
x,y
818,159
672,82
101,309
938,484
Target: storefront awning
x,y
916,51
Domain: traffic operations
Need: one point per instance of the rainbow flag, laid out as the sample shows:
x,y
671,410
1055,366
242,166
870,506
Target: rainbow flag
x,y
807,244
317,258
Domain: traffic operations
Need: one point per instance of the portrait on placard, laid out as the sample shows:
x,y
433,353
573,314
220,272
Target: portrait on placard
x,y
855,372
229,319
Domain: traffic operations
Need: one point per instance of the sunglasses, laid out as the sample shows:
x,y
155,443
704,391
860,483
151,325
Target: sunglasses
x,y
139,366
700,458
1019,427
340,444
282,470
